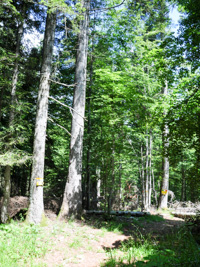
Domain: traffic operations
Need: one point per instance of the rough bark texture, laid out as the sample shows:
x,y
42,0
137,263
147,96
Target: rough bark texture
x,y
36,208
72,200
165,180
7,173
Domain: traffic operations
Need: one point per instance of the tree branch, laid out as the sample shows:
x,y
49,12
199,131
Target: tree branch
x,y
50,119
70,108
107,8
66,85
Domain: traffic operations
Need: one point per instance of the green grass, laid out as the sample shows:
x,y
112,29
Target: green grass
x,y
76,243
20,244
177,249
151,218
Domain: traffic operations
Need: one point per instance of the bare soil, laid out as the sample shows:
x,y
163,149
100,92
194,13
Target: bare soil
x,y
81,244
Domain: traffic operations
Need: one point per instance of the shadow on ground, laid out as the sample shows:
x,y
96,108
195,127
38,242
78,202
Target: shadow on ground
x,y
152,240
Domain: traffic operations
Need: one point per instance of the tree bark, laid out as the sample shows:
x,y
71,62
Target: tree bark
x,y
7,173
72,200
165,180
146,206
88,169
1,99
142,179
36,207
183,187
150,167
111,187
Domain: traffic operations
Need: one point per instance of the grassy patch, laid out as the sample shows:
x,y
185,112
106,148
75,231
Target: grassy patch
x,y
177,249
76,243
151,218
20,244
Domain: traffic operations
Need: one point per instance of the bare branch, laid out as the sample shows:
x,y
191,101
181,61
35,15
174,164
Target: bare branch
x,y
50,119
66,85
107,8
70,108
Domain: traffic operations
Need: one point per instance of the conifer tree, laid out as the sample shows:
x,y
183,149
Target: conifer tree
x,y
72,200
36,207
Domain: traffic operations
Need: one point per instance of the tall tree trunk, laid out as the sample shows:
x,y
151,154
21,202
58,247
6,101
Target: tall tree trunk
x,y
153,188
150,167
111,187
1,99
88,169
142,179
147,173
98,175
36,207
72,200
165,179
183,187
7,173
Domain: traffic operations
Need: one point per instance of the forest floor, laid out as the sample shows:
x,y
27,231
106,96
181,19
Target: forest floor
x,y
156,239
92,241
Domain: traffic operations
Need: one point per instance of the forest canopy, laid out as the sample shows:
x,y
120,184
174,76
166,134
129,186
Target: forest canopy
x,y
99,104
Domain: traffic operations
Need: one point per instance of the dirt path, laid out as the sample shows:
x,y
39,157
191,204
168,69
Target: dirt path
x,y
81,245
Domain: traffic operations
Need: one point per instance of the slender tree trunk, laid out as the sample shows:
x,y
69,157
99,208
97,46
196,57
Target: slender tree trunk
x,y
142,179
150,167
7,173
72,200
36,207
183,188
120,185
88,170
165,180
147,173
153,188
98,174
1,99
112,183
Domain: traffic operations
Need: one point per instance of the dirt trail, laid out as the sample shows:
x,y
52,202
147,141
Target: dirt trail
x,y
81,245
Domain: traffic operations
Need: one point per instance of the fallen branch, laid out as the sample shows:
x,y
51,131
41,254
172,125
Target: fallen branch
x,y
118,213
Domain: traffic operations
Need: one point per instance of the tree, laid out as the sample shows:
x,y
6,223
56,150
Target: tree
x,y
36,207
7,172
72,200
165,141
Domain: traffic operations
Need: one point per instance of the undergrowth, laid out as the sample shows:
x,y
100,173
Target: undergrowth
x,y
177,249
20,244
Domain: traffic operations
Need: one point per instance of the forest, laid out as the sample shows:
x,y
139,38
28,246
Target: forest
x,y
99,106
